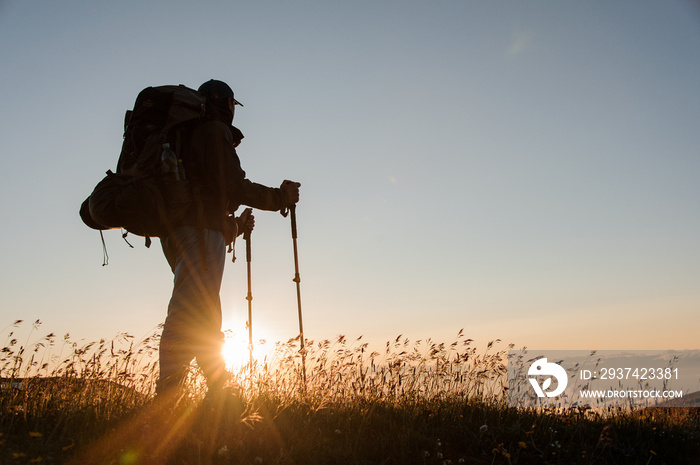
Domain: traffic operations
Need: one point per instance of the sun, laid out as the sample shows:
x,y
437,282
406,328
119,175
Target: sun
x,y
235,351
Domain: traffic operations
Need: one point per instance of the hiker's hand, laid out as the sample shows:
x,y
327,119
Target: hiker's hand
x,y
290,192
246,222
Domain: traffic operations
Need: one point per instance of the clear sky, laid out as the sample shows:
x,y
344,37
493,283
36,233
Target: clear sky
x,y
523,170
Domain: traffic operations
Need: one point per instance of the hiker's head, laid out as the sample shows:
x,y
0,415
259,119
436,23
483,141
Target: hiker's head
x,y
220,95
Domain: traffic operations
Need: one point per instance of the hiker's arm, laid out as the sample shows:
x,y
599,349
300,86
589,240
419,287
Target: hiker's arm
x,y
225,175
269,198
252,194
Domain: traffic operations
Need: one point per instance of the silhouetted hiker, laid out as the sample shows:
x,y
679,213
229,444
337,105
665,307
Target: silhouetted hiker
x,y
196,249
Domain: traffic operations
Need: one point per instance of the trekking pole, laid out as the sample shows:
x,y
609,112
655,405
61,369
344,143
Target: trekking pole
x,y
297,279
249,297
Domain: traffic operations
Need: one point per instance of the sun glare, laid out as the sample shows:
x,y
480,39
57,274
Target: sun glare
x,y
235,351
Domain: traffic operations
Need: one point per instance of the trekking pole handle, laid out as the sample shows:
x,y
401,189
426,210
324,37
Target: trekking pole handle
x,y
293,217
246,231
246,238
248,254
293,214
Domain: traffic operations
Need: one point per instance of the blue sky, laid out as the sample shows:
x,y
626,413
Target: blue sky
x,y
524,170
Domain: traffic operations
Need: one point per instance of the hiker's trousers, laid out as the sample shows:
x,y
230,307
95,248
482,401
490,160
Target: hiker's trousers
x,y
193,326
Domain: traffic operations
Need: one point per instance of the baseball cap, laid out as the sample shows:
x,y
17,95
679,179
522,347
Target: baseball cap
x,y
218,89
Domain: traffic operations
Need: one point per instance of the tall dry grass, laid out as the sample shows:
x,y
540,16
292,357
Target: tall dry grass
x,y
341,372
408,402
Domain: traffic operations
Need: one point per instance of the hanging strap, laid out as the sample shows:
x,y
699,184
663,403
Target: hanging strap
x,y
105,255
124,234
231,250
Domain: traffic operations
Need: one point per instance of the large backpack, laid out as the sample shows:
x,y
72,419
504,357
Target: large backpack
x,y
139,198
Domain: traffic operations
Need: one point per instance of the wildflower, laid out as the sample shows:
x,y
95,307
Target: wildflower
x,y
484,428
522,445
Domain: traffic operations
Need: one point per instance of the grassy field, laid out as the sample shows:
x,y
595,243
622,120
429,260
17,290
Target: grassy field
x,y
413,402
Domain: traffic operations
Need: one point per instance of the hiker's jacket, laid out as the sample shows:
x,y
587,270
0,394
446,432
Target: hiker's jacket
x,y
210,160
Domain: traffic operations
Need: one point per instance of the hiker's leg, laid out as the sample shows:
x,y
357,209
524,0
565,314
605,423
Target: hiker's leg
x,y
210,338
194,312
174,353
211,361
